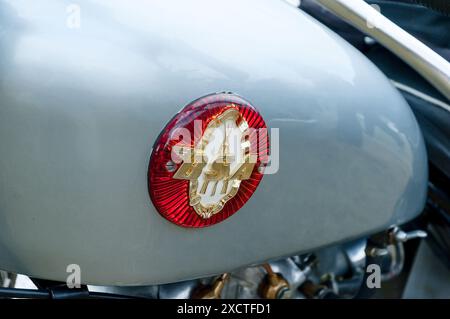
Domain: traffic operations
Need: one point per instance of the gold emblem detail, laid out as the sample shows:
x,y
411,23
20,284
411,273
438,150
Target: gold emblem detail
x,y
213,170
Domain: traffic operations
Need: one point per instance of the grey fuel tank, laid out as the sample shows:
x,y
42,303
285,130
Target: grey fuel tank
x,y
82,104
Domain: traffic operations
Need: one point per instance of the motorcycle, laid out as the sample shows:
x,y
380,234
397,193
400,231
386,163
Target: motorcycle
x,y
214,150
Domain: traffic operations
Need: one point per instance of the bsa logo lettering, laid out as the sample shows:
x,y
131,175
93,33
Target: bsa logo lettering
x,y
213,183
208,161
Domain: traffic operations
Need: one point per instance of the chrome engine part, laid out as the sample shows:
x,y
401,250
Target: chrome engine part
x,y
334,272
338,271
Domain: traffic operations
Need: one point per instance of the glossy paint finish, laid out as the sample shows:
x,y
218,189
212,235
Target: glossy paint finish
x,y
81,108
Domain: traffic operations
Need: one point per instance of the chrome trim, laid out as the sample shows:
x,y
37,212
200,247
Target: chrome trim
x,y
425,61
421,95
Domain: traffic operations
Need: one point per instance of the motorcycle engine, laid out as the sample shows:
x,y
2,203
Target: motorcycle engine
x,y
339,271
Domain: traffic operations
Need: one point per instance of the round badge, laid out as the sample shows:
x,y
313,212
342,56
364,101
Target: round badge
x,y
208,161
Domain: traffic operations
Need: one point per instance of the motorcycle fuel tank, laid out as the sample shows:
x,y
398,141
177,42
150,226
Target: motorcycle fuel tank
x,y
82,104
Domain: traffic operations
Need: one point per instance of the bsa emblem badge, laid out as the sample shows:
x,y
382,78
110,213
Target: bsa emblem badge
x,y
208,161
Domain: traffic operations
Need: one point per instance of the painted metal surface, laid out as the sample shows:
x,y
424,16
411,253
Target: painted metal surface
x,y
81,108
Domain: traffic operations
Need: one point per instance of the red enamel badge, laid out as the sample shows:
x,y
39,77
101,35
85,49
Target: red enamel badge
x,y
208,160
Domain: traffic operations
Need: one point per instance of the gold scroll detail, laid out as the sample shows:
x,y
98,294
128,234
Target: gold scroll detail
x,y
195,164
